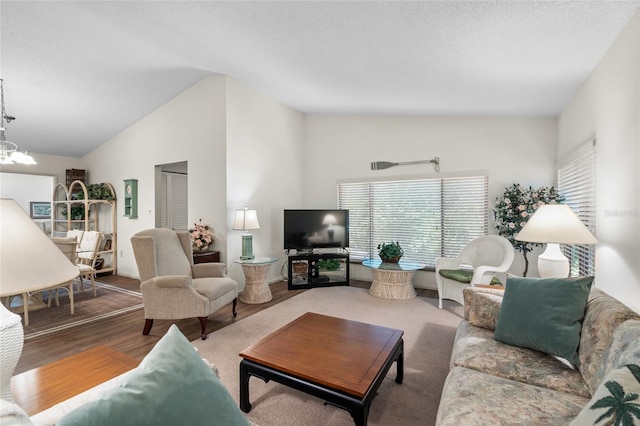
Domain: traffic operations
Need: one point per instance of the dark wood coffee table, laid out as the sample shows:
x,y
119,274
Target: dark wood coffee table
x,y
341,361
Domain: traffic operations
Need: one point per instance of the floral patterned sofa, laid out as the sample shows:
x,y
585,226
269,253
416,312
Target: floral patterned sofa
x,y
491,383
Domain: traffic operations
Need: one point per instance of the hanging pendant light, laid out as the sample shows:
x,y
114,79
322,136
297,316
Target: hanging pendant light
x,y
9,152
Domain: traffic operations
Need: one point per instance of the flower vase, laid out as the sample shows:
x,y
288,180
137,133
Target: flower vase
x,y
200,249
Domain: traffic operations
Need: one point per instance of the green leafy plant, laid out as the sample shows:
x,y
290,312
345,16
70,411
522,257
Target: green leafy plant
x,y
513,210
329,264
100,191
390,252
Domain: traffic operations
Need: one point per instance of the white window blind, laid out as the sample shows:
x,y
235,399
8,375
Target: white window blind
x,y
430,217
577,183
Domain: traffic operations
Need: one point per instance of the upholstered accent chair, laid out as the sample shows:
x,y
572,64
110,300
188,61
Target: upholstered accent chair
x,y
173,287
478,263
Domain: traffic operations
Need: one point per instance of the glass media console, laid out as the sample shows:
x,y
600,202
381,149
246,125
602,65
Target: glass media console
x,y
309,270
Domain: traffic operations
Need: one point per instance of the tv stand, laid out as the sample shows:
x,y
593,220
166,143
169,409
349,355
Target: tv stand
x,y
309,270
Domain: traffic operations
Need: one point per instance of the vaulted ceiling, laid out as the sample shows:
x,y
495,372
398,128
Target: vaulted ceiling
x,y
78,72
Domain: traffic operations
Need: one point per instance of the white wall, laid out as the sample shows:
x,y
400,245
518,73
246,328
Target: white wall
x,y
50,165
26,188
608,105
343,146
264,170
26,183
191,127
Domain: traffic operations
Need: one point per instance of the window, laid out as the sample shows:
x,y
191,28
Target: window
x,y
430,217
577,183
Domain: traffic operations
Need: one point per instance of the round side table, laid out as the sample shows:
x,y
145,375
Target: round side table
x,y
256,274
392,280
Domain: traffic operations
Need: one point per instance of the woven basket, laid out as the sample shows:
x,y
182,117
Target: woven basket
x,y
300,267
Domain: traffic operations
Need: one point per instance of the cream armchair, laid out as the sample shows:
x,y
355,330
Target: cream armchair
x,y
172,286
478,263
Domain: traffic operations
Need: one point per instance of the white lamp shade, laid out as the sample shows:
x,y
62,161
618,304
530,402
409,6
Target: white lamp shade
x,y
29,260
246,220
555,223
329,220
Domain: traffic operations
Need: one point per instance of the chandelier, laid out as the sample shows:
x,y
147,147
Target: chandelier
x,y
9,152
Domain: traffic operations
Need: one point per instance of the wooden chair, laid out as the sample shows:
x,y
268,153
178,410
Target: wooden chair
x,y
75,233
68,246
87,255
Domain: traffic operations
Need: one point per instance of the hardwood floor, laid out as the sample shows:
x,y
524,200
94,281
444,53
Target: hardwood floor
x,y
124,333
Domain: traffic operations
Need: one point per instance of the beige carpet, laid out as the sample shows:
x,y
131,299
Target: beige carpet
x,y
428,337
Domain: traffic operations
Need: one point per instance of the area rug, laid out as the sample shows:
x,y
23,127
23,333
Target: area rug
x,y
110,301
428,337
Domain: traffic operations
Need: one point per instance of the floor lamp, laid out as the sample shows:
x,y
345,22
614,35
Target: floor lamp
x,y
246,220
555,224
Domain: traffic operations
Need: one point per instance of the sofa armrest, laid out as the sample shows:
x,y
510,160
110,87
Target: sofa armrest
x,y
482,306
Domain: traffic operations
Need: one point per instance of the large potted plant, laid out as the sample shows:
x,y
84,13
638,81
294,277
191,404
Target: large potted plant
x,y
513,210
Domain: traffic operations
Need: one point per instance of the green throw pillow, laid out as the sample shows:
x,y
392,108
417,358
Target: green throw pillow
x,y
171,386
617,400
544,314
463,275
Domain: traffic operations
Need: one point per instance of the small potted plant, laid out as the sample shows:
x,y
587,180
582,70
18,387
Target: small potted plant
x,y
390,252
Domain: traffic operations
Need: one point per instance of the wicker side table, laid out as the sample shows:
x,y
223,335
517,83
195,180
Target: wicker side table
x,y
392,280
256,274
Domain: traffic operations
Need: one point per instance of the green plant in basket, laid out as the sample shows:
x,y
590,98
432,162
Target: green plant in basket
x,y
390,252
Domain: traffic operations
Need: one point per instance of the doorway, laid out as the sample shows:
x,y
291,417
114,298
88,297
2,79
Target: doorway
x,y
172,196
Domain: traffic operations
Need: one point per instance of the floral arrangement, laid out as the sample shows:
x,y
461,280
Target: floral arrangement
x,y
201,236
513,210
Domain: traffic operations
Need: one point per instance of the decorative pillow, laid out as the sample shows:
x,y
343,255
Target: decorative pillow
x,y
172,386
482,306
617,400
463,275
544,314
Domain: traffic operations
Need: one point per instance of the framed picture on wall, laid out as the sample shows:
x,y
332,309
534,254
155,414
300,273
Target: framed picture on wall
x,y
40,210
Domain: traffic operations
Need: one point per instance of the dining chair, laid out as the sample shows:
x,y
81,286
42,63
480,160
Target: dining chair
x,y
87,255
68,246
76,233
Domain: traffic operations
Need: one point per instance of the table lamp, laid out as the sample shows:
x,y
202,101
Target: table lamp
x,y
30,261
330,220
245,221
555,224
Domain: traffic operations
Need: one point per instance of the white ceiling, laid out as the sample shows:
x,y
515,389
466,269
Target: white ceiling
x,y
77,73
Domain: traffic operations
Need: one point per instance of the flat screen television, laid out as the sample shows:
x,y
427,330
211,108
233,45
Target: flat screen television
x,y
309,229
